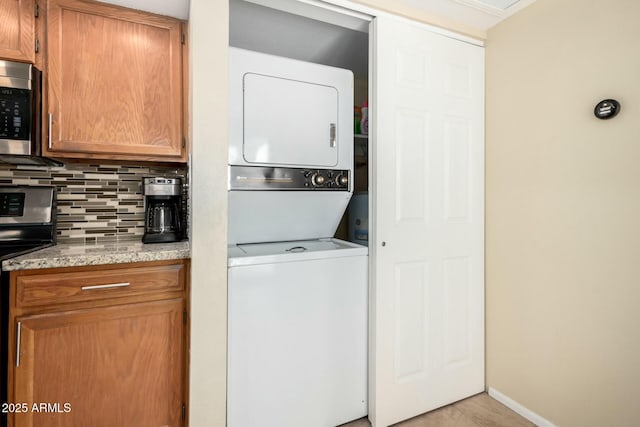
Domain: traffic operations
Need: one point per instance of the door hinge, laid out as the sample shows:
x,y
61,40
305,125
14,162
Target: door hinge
x,y
182,38
37,46
184,316
36,10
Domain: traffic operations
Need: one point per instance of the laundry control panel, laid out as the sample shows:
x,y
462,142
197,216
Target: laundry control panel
x,y
277,178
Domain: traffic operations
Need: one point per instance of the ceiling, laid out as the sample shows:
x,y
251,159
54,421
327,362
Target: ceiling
x,y
480,14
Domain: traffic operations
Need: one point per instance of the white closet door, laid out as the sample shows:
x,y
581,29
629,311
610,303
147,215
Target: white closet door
x,y
427,344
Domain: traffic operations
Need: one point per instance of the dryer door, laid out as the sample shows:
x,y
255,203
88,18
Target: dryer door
x,y
289,122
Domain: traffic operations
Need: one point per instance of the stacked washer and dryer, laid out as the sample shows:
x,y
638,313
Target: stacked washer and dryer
x,y
297,298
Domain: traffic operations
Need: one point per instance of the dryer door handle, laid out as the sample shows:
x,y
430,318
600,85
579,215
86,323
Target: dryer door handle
x,y
332,135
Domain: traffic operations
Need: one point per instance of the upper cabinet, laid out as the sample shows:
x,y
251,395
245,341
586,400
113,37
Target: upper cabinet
x,y
114,83
17,41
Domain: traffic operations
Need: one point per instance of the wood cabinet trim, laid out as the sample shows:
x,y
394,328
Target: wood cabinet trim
x,y
118,12
98,267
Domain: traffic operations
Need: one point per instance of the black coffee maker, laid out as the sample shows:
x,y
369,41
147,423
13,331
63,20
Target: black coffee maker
x,y
162,210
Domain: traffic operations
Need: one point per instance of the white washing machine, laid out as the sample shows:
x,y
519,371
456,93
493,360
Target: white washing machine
x,y
290,147
297,342
297,333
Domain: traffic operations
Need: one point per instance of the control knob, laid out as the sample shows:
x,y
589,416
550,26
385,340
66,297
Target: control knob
x,y
342,180
318,180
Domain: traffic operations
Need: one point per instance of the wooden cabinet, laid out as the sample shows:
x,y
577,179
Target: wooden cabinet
x,y
17,40
113,77
114,83
112,367
99,345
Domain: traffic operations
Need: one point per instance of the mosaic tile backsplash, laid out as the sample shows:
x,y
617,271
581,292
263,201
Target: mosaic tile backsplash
x,y
96,203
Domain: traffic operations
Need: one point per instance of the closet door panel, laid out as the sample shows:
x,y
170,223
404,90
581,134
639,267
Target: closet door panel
x,y
427,309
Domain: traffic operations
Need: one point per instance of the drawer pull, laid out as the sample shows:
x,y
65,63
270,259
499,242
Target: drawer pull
x,y
110,285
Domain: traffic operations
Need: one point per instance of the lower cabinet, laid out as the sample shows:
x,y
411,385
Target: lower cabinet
x,y
120,363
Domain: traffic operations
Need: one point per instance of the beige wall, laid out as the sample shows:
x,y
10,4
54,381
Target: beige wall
x,y
208,39
563,211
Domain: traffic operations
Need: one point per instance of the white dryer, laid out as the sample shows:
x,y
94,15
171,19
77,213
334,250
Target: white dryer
x,y
290,147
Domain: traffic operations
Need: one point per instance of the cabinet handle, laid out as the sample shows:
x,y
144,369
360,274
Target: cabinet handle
x,y
18,330
50,125
332,135
110,285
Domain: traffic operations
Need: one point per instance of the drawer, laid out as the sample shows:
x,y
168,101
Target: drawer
x,y
111,282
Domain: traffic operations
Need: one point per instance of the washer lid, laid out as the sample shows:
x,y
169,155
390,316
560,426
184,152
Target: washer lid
x,y
299,250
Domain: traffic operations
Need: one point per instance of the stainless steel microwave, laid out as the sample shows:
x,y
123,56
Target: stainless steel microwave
x,y
20,114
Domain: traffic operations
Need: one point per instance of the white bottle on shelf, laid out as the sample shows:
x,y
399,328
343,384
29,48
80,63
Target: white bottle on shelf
x,y
364,123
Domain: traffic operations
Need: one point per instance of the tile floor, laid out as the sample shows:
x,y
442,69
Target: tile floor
x,y
477,411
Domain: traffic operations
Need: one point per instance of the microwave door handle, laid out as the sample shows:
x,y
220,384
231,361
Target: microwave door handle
x,y
50,132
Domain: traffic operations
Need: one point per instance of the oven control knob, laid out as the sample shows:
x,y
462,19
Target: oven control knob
x,y
318,179
342,180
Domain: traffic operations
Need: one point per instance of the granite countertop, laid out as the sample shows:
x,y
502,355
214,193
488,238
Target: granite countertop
x,y
75,255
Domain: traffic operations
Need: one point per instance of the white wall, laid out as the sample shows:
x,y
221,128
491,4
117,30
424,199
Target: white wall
x,y
208,43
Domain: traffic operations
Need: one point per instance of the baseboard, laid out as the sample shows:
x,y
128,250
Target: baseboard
x,y
516,407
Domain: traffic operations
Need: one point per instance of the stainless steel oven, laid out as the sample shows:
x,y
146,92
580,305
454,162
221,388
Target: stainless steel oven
x,y
27,223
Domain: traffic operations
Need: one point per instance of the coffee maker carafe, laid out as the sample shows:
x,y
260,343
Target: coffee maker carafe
x,y
163,210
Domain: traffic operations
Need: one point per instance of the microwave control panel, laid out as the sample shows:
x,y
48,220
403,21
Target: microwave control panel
x,y
15,113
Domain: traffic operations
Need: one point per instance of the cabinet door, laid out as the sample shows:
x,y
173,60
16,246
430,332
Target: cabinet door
x,y
113,366
428,202
17,30
114,83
